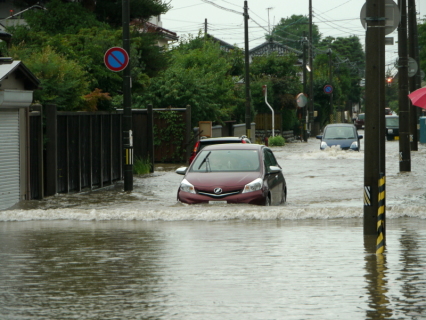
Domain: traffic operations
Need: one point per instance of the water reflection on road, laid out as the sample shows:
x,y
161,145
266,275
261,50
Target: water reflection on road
x,y
110,254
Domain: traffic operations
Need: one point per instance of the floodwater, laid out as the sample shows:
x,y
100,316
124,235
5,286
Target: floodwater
x,y
111,254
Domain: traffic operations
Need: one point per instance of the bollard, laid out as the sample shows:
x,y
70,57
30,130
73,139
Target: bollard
x,y
380,245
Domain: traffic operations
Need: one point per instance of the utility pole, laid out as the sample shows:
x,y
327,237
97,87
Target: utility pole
x,y
374,155
205,27
414,83
304,113
127,105
330,82
404,108
269,25
247,74
311,73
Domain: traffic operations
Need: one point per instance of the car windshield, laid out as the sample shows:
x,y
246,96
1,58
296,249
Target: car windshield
x,y
392,122
339,133
226,161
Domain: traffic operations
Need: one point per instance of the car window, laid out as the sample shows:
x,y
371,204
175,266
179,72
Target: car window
x,y
361,117
392,122
226,161
269,158
339,133
207,142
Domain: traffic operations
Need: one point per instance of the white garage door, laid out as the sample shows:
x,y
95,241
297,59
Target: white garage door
x,y
9,158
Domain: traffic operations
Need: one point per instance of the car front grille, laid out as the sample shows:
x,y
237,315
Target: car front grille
x,y
213,195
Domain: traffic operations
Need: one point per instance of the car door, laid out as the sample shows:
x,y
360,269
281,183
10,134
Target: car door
x,y
274,180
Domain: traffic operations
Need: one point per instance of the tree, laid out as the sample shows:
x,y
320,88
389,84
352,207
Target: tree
x,y
280,74
62,81
109,11
290,31
84,41
422,44
198,75
348,64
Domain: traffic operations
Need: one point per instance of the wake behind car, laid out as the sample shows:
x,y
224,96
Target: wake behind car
x,y
199,145
233,173
343,135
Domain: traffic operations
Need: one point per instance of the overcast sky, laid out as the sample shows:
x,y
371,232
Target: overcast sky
x,y
336,18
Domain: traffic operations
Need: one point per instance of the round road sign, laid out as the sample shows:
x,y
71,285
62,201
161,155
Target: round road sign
x,y
328,89
116,59
301,100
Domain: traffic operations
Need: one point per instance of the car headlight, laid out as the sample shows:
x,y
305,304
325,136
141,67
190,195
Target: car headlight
x,y
186,186
253,186
323,145
354,145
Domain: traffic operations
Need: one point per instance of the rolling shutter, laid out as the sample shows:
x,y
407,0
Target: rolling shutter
x,y
9,159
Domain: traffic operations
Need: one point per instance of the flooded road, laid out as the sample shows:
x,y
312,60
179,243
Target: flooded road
x,y
109,254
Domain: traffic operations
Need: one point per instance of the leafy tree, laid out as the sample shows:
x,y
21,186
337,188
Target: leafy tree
x,y
110,11
421,31
348,63
63,82
289,31
61,18
199,77
87,46
280,75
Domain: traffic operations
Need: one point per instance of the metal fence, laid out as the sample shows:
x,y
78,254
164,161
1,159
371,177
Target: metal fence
x,y
84,150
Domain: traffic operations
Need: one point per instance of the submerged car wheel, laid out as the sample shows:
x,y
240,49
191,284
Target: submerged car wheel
x,y
268,201
284,196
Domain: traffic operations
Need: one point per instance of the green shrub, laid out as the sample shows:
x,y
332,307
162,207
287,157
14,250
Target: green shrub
x,y
276,141
141,166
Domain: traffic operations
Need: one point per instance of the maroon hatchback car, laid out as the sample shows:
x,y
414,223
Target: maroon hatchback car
x,y
233,173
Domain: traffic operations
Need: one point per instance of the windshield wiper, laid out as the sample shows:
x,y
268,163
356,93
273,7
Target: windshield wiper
x,y
204,160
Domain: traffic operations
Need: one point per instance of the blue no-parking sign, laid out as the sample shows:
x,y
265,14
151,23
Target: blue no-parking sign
x,y
328,88
116,59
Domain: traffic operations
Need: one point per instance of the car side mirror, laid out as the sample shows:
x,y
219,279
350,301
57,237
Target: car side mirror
x,y
274,169
360,136
181,170
319,137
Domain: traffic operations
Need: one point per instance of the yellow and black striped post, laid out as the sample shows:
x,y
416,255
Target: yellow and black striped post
x,y
380,245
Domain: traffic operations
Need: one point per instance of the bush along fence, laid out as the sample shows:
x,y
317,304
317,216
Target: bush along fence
x,y
84,150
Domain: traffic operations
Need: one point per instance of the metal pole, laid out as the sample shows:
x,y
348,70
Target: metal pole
x,y
404,108
374,155
305,108
247,74
311,73
265,87
127,105
414,84
330,80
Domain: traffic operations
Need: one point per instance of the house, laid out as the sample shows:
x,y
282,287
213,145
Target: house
x,y
16,95
154,25
271,46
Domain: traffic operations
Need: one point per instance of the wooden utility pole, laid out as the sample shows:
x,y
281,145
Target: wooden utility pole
x,y
374,155
127,105
404,108
311,73
414,80
305,108
247,72
330,82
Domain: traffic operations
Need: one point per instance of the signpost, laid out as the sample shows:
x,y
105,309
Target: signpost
x,y
116,59
328,89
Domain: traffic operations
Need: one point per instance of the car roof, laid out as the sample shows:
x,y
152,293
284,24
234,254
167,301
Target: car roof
x,y
221,139
391,116
234,146
340,125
